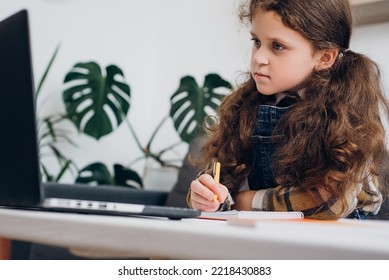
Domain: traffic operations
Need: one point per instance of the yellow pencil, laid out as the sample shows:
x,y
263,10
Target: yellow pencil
x,y
216,175
216,172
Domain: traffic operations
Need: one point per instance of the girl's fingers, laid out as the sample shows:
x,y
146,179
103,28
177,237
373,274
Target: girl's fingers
x,y
203,188
200,203
208,181
206,194
219,191
203,207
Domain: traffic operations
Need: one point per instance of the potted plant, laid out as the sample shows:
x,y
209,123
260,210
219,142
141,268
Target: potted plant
x,y
49,135
89,93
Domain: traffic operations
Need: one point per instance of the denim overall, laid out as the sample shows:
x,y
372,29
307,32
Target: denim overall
x,y
262,175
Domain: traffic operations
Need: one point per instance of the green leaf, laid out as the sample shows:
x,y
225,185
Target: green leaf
x,y
127,177
190,104
99,174
42,80
95,173
95,103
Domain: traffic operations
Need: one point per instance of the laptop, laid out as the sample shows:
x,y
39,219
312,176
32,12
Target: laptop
x,y
20,176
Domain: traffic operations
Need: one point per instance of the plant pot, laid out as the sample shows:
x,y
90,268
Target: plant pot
x,y
159,178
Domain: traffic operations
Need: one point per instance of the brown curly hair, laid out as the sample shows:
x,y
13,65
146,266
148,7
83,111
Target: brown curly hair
x,y
334,135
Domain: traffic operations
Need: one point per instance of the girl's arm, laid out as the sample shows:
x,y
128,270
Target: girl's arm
x,y
315,203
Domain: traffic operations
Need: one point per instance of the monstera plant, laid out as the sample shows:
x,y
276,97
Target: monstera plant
x,y
92,95
98,173
190,101
98,103
49,134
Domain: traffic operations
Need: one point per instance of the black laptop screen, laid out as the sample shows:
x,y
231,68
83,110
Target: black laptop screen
x,y
19,163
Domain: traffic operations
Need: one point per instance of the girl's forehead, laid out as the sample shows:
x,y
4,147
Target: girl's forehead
x,y
269,22
268,18
268,25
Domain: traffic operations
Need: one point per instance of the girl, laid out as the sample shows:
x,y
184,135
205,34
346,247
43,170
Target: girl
x,y
304,132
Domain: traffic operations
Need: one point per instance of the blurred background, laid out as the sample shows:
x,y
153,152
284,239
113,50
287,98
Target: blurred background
x,y
155,44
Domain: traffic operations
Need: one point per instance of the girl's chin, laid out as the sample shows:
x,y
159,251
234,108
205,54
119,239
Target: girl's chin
x,y
265,92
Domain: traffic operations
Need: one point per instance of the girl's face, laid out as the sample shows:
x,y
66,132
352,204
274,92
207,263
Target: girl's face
x,y
281,59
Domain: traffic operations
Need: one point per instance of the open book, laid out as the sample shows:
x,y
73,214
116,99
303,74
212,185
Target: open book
x,y
251,215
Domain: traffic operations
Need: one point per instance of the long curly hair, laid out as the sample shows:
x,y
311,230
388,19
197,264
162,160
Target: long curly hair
x,y
334,135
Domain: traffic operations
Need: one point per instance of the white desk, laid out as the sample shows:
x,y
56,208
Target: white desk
x,y
198,239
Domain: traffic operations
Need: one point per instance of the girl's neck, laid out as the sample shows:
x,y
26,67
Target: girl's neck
x,y
278,97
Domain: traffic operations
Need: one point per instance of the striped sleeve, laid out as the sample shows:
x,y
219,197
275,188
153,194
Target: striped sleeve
x,y
317,203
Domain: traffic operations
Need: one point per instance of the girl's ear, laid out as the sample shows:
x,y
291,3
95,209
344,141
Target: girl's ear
x,y
326,58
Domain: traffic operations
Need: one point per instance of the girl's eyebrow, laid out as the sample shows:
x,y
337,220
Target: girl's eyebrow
x,y
276,39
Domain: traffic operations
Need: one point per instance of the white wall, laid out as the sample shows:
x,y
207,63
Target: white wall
x,y
373,40
155,43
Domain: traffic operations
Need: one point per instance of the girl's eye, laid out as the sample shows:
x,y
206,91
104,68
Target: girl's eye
x,y
278,47
256,42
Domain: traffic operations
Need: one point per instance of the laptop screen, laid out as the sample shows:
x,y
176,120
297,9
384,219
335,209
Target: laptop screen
x,y
19,162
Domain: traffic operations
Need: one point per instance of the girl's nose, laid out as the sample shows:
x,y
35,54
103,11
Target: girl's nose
x,y
260,57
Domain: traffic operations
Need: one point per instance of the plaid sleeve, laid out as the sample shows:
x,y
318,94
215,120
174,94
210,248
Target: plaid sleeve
x,y
370,199
317,203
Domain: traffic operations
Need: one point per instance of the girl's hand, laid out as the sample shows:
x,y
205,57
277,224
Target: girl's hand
x,y
203,191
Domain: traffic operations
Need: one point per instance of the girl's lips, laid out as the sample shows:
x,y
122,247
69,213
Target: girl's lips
x,y
261,76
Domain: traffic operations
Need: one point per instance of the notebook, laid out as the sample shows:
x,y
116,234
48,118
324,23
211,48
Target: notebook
x,y
252,215
20,178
